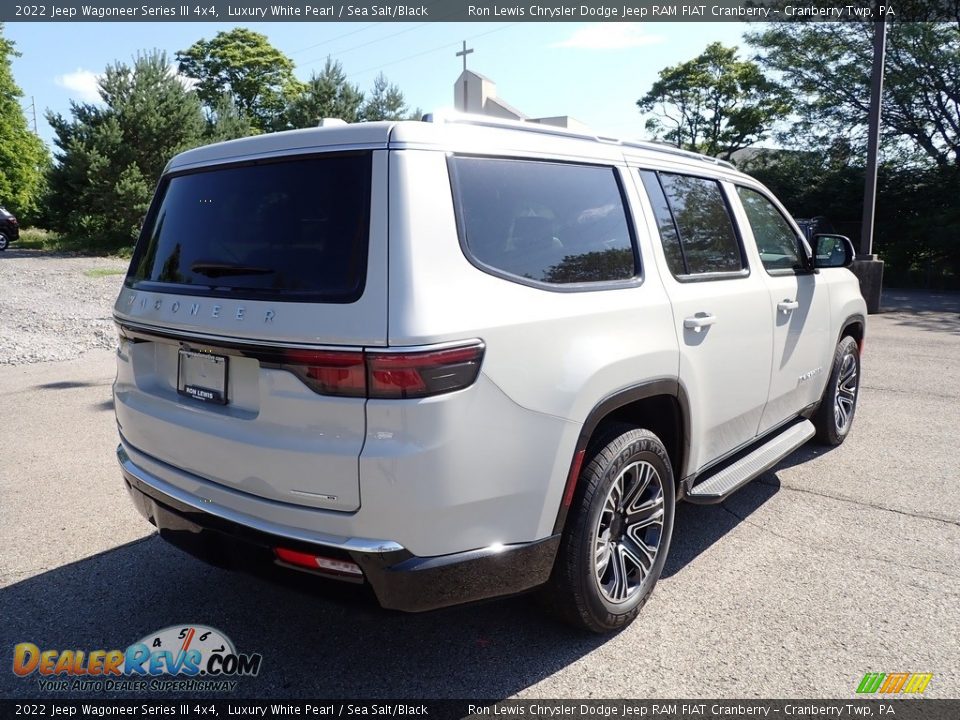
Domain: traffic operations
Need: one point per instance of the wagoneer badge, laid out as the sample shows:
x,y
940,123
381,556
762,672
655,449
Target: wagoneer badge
x,y
196,309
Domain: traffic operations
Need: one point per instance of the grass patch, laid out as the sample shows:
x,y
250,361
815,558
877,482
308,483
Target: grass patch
x,y
104,272
37,239
49,241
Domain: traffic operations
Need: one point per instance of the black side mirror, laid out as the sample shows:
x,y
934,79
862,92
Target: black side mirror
x,y
832,251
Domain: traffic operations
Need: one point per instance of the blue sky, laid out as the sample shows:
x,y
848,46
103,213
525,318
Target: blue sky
x,y
594,72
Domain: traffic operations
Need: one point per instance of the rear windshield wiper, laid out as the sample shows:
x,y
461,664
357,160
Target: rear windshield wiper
x,y
219,269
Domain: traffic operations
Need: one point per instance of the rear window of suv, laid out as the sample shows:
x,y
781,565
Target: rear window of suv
x,y
295,229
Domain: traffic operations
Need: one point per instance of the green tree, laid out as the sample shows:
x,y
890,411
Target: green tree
x,y
827,67
110,155
715,103
226,122
326,94
23,156
243,64
385,102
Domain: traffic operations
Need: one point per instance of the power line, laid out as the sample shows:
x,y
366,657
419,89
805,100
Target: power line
x,y
337,37
431,4
366,44
427,52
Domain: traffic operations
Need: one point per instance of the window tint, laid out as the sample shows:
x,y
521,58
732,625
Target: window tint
x,y
296,230
668,231
550,222
701,216
777,242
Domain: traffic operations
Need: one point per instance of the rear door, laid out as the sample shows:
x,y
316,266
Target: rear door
x,y
250,296
721,312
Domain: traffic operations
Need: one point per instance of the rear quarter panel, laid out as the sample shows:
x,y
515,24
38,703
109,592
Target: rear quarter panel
x,y
552,354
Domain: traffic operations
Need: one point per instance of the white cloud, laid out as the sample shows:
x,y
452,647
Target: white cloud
x,y
83,83
188,83
609,36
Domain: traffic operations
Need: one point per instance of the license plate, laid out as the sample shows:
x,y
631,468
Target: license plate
x,y
203,377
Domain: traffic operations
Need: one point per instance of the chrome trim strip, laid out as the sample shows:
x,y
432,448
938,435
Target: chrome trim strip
x,y
432,347
175,334
164,488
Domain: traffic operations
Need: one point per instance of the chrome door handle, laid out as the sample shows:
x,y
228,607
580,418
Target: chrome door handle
x,y
699,321
786,305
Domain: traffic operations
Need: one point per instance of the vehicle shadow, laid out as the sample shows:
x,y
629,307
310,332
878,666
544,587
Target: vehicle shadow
x,y
312,645
697,527
330,641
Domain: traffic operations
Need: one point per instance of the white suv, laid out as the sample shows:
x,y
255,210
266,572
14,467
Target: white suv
x,y
466,358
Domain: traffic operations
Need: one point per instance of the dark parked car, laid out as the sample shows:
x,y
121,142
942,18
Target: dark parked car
x,y
9,229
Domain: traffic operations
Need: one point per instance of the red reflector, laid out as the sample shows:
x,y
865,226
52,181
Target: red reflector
x,y
317,562
572,477
297,558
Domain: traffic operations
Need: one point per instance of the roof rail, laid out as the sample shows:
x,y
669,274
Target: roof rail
x,y
672,150
535,127
522,125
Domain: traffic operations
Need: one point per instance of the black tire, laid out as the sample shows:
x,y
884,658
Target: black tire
x,y
834,417
4,242
577,592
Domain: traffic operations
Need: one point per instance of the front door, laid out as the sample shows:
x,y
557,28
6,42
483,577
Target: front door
x,y
800,306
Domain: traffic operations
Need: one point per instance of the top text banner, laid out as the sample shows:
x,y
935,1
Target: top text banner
x,y
476,10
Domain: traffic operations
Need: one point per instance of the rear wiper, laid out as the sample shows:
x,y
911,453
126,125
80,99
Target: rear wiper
x,y
219,269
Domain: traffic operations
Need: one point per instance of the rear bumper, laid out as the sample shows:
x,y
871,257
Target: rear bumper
x,y
399,579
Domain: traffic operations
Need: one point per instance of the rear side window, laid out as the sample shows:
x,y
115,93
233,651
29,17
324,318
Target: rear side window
x,y
287,230
544,222
695,224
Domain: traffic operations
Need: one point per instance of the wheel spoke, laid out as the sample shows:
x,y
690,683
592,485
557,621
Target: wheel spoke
x,y
647,513
619,584
639,553
644,472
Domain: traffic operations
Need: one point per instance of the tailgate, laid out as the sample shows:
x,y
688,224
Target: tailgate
x,y
243,277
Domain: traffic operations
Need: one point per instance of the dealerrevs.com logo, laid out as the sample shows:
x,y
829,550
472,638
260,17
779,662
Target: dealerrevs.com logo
x,y
182,658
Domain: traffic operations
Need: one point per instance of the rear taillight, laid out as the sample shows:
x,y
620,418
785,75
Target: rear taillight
x,y
416,375
385,374
328,372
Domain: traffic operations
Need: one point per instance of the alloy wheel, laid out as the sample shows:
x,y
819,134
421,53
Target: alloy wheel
x,y
628,532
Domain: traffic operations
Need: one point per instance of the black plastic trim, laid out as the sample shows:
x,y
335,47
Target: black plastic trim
x,y
852,320
399,579
616,400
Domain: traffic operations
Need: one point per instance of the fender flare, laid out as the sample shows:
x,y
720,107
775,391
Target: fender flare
x,y
616,400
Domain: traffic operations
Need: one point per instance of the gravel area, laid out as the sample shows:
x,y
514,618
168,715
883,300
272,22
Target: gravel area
x,y
56,307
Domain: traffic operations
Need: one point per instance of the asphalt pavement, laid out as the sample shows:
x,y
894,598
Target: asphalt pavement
x,y
833,564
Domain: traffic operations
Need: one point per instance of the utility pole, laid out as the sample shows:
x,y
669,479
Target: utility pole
x,y
33,112
867,268
463,53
